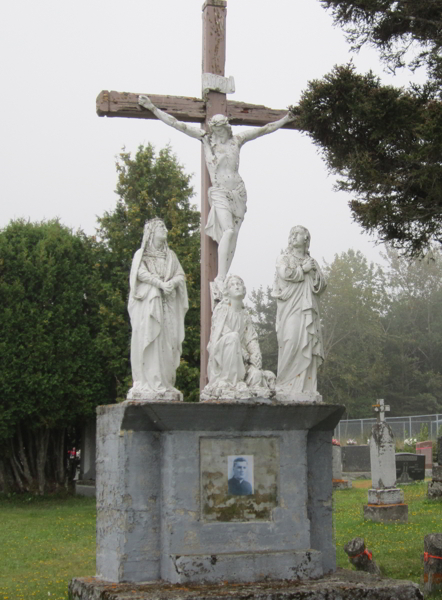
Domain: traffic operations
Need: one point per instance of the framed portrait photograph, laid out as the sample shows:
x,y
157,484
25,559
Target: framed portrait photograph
x,y
240,474
239,478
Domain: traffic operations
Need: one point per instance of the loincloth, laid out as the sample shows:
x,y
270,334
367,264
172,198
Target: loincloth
x,y
234,201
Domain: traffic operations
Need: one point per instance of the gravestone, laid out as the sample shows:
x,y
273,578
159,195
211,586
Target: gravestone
x,y
85,484
385,500
165,507
338,482
426,448
409,467
356,459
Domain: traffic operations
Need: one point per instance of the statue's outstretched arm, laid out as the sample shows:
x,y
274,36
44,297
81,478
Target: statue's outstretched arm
x,y
256,132
146,102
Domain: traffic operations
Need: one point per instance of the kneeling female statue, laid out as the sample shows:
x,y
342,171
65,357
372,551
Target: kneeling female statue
x,y
157,306
235,362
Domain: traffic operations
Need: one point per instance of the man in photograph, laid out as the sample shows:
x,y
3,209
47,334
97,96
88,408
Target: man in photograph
x,y
238,486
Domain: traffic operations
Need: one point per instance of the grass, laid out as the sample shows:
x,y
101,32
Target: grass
x,y
397,547
45,542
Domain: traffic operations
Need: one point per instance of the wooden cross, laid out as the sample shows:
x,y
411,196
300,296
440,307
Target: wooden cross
x,y
380,408
196,110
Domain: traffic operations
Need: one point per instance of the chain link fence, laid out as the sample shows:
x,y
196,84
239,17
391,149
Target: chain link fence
x,y
403,428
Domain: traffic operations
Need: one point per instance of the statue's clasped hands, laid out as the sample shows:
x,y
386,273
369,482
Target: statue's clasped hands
x,y
167,287
308,265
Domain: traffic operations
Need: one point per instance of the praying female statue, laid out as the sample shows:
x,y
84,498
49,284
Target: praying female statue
x,y
298,284
235,363
157,306
227,196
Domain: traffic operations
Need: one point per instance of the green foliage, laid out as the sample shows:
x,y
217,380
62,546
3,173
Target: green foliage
x,y
264,319
52,373
385,143
423,433
381,340
149,185
402,31
354,371
414,341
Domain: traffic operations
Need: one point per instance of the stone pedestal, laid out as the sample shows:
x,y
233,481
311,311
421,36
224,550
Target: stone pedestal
x,y
342,585
166,508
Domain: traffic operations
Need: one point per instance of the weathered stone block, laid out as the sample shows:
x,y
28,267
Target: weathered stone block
x,y
434,491
242,567
386,496
437,473
342,484
433,562
386,512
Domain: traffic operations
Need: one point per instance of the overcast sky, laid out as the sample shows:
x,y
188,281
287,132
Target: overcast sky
x,y
58,156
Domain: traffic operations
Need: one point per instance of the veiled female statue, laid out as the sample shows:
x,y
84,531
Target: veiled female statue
x,y
227,196
298,285
157,306
235,363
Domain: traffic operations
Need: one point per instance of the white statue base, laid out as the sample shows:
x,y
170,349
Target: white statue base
x,y
299,397
141,395
226,392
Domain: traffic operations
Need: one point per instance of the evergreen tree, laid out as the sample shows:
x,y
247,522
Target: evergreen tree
x,y
384,142
52,374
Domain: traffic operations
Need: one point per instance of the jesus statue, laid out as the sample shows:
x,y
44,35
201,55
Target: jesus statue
x,y
227,196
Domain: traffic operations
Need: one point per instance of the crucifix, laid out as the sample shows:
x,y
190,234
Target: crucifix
x,y
194,110
380,408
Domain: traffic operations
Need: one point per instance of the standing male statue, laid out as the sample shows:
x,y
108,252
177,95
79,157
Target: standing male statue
x,y
227,196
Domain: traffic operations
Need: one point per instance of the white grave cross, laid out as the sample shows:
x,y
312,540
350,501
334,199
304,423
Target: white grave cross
x,y
381,409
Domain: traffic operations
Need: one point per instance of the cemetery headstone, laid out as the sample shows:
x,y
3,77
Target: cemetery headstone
x,y
85,484
356,459
338,482
385,500
426,448
409,467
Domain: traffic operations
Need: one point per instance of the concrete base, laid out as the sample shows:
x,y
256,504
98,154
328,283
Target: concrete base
x,y
341,484
168,508
386,512
386,496
85,488
342,585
